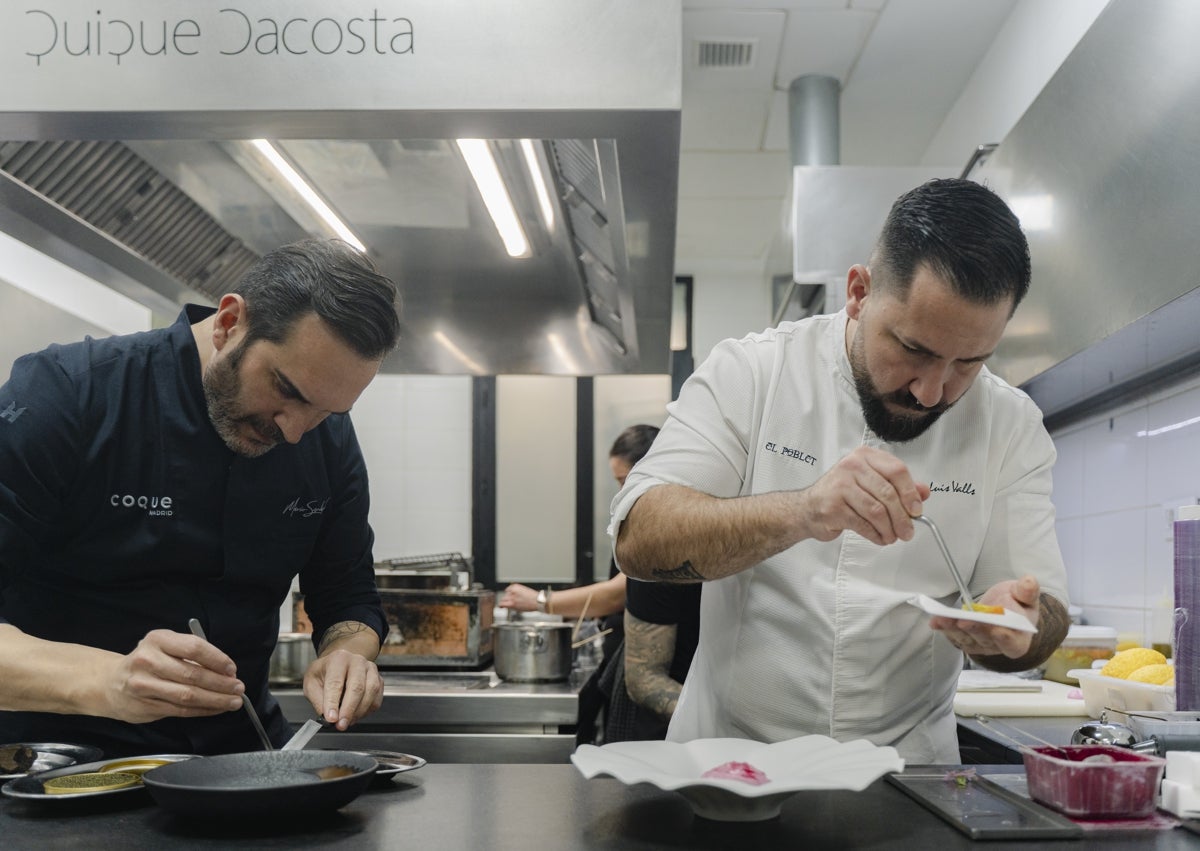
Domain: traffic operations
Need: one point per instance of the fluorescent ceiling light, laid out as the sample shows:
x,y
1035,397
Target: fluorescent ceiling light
x,y
306,192
539,182
499,205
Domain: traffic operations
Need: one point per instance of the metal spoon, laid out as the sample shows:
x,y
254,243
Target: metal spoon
x,y
198,631
937,536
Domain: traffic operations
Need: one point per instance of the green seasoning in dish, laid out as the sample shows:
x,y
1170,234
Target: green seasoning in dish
x,y
90,781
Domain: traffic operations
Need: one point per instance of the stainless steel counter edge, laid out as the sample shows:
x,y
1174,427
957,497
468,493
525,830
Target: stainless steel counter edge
x,y
504,703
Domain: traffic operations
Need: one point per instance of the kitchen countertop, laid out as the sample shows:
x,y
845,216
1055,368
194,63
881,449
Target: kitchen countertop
x,y
523,807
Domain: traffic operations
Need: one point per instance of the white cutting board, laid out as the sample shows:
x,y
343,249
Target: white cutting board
x,y
1051,700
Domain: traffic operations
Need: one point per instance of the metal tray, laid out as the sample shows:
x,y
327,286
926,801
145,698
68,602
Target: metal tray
x,y
983,810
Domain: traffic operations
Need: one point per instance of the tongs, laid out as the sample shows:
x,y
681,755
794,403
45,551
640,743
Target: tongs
x,y
963,592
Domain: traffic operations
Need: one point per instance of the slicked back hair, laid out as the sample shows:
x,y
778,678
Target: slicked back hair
x,y
328,278
964,233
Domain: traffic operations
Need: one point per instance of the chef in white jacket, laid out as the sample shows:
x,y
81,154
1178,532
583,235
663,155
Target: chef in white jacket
x,y
788,473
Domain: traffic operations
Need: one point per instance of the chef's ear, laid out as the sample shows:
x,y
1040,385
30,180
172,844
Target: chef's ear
x,y
858,287
229,321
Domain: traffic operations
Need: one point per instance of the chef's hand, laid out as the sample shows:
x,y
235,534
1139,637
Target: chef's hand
x,y
519,597
980,639
171,674
869,492
343,687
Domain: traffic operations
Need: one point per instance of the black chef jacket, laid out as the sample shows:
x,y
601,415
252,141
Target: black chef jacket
x,y
122,511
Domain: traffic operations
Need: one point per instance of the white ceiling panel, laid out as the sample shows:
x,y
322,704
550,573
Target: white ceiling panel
x,y
726,227
917,61
723,121
733,175
822,41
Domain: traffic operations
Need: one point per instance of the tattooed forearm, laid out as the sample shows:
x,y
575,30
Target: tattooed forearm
x,y
1053,622
340,630
649,649
684,573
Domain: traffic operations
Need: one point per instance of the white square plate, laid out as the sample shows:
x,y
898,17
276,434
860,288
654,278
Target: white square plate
x,y
1010,619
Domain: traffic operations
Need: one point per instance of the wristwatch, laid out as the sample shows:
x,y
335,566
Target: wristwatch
x,y
542,597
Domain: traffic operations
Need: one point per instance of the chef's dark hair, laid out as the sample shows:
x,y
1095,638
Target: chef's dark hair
x,y
328,278
633,443
964,232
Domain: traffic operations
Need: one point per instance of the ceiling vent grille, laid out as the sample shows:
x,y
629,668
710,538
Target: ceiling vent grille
x,y
113,189
725,54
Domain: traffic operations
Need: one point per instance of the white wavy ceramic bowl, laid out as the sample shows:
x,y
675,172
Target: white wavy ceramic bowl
x,y
795,765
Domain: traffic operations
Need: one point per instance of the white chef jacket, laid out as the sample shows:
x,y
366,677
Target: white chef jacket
x,y
819,638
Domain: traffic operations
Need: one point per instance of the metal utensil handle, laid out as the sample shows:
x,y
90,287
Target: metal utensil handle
x,y
198,631
964,593
991,722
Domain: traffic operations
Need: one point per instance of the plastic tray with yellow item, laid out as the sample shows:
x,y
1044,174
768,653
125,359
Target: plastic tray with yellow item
x,y
1010,619
57,785
1101,692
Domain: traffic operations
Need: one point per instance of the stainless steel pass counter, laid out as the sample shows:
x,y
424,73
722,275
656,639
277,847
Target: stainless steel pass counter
x,y
459,716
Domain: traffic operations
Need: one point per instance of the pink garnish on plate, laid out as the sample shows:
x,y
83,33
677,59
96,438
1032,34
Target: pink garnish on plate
x,y
742,771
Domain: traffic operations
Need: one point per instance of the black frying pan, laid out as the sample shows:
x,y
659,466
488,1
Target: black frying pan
x,y
261,783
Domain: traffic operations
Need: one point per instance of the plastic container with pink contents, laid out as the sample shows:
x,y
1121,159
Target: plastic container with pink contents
x,y
1093,781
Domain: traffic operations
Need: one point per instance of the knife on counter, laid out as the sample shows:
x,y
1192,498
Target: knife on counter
x,y
302,736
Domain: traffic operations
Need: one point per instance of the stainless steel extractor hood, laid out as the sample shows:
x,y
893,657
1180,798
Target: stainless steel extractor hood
x,y
155,200
1104,171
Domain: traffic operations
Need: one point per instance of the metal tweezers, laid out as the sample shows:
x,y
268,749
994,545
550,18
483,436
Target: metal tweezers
x,y
967,600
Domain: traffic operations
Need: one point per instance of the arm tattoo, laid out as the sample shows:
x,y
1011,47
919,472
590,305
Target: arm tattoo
x,y
649,650
684,573
1053,622
340,630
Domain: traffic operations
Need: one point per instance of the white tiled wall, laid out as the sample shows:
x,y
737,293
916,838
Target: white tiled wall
x,y
415,432
1119,478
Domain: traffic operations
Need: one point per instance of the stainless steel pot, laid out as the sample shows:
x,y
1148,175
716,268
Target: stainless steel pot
x,y
534,652
292,655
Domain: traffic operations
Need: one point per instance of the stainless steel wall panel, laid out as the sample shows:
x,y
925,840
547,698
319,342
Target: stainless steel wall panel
x,y
1104,168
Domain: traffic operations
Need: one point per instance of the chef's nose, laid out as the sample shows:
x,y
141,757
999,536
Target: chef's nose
x,y
293,424
929,387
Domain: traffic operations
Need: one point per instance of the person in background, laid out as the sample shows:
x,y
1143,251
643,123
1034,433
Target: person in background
x,y
662,629
191,472
789,470
605,599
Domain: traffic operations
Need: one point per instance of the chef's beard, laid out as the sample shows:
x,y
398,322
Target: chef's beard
x,y
889,426
222,386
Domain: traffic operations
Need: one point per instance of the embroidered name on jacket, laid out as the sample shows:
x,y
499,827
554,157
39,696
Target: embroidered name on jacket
x,y
795,454
299,508
154,506
953,487
11,412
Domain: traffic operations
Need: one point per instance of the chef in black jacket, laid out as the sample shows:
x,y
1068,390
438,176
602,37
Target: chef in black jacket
x,y
193,471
